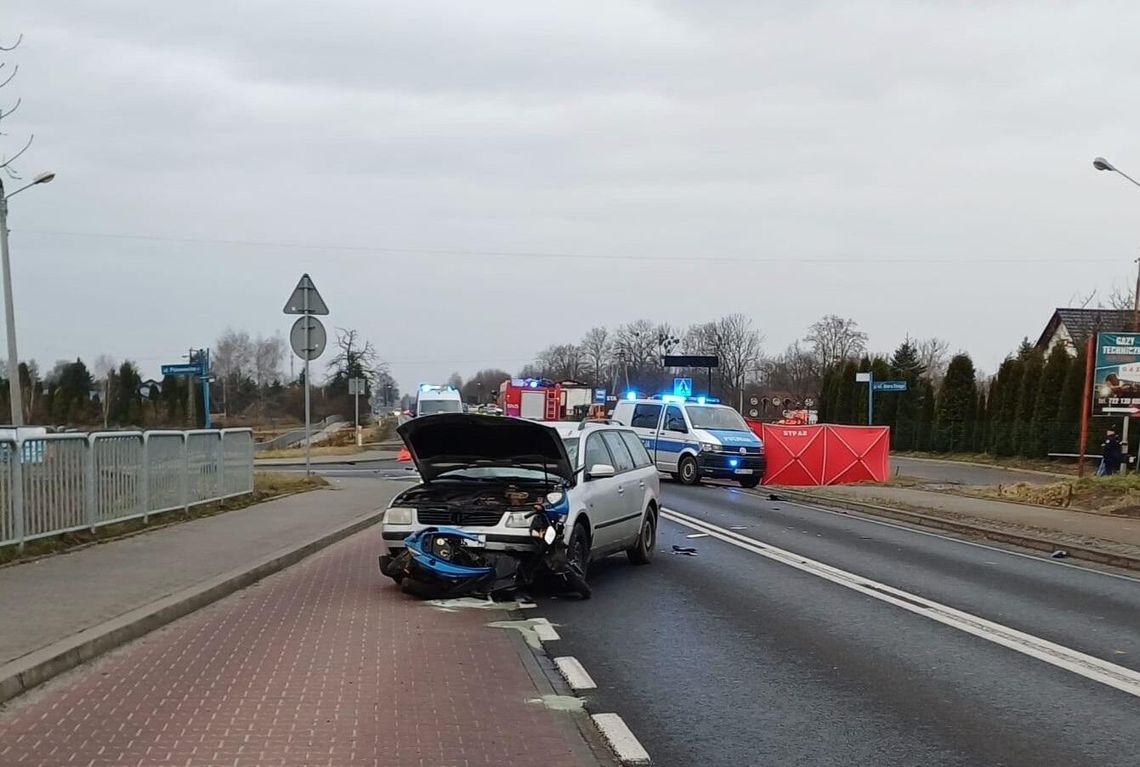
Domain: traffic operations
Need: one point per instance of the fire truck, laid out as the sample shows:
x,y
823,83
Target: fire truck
x,y
538,399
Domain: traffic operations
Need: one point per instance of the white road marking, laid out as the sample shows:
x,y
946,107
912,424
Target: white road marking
x,y
544,630
1098,670
865,516
575,674
628,749
535,631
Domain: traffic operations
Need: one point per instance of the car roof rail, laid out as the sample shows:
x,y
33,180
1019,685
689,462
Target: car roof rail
x,y
600,421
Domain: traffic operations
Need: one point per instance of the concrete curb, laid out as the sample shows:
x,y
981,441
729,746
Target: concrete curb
x,y
925,520
980,465
35,668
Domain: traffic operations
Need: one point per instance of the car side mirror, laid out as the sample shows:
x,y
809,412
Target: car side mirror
x,y
600,471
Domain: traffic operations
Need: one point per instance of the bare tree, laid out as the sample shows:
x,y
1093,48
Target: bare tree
x,y
232,359
455,381
739,346
795,371
834,339
354,358
561,362
6,77
268,359
597,350
484,385
934,356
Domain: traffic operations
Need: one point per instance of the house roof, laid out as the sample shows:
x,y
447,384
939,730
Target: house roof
x,y
1081,323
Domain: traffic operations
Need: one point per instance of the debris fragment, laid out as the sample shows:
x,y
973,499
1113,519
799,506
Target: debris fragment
x,y
1059,554
687,551
739,527
774,497
698,535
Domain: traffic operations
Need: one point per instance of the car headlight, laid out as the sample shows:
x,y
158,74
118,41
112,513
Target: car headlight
x,y
518,519
709,447
399,516
555,497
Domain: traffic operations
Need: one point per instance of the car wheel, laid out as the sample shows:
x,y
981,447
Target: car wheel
x,y
687,471
750,482
578,560
641,553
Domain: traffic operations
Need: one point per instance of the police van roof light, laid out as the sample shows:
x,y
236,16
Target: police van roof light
x,y
631,395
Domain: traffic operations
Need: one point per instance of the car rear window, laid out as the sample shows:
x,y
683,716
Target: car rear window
x,y
623,461
645,416
637,450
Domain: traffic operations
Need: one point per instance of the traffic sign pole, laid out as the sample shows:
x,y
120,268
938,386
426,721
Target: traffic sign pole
x,y
308,345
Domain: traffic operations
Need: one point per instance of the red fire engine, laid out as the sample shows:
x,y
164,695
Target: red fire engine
x,y
535,398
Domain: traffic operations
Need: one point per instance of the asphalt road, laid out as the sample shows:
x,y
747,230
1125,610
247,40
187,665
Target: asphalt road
x,y
951,472
731,658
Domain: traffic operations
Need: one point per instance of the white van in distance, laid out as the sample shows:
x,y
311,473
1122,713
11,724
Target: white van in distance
x,y
431,400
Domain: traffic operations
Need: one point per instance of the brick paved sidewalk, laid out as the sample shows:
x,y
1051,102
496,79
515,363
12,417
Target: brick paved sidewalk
x,y
47,600
325,663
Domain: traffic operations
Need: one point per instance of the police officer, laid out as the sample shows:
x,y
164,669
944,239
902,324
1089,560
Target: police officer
x,y
1111,450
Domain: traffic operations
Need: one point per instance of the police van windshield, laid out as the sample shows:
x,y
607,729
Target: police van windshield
x,y
433,406
707,417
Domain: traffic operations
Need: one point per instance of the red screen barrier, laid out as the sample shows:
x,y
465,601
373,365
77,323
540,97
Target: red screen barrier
x,y
824,454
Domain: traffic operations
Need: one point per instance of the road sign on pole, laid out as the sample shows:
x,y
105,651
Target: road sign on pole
x,y
305,299
306,332
356,387
308,338
890,386
683,387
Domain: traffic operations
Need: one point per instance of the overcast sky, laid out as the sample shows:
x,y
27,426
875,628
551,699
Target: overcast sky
x,y
923,168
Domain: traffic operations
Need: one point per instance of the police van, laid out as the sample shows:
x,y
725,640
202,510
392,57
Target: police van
x,y
693,438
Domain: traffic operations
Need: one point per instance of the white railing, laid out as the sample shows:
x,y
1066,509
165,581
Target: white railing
x,y
59,483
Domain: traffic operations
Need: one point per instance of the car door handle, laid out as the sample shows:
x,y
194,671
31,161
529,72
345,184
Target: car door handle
x,y
641,483
621,489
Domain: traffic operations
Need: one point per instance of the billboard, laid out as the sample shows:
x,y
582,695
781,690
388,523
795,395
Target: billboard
x,y
1116,376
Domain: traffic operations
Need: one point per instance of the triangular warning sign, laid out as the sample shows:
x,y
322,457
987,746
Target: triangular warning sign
x,y
306,291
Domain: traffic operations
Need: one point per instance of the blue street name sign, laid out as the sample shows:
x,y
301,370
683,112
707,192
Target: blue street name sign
x,y
181,370
889,386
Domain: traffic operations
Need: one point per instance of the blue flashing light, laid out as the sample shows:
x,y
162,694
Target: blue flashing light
x,y
701,401
631,395
534,384
425,387
734,462
674,398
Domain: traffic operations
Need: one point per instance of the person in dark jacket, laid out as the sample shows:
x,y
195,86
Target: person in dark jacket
x,y
1112,451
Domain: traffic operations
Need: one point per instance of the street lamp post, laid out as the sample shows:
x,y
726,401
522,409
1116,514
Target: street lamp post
x,y
15,393
1102,164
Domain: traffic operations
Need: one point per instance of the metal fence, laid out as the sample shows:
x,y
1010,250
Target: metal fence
x,y
64,482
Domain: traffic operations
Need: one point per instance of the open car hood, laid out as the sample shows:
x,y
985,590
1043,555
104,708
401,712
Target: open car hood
x,y
450,441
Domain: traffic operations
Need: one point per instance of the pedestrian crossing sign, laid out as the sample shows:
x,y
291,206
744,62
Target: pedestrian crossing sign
x,y
683,387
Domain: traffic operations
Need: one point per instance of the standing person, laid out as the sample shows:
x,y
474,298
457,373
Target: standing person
x,y
1111,449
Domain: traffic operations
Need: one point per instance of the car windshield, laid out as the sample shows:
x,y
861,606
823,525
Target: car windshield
x,y
433,406
571,444
713,417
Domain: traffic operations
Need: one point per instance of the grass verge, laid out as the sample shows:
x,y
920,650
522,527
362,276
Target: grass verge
x,y
1118,495
266,487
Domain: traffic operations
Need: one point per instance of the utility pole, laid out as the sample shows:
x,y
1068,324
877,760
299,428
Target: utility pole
x,y
190,393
